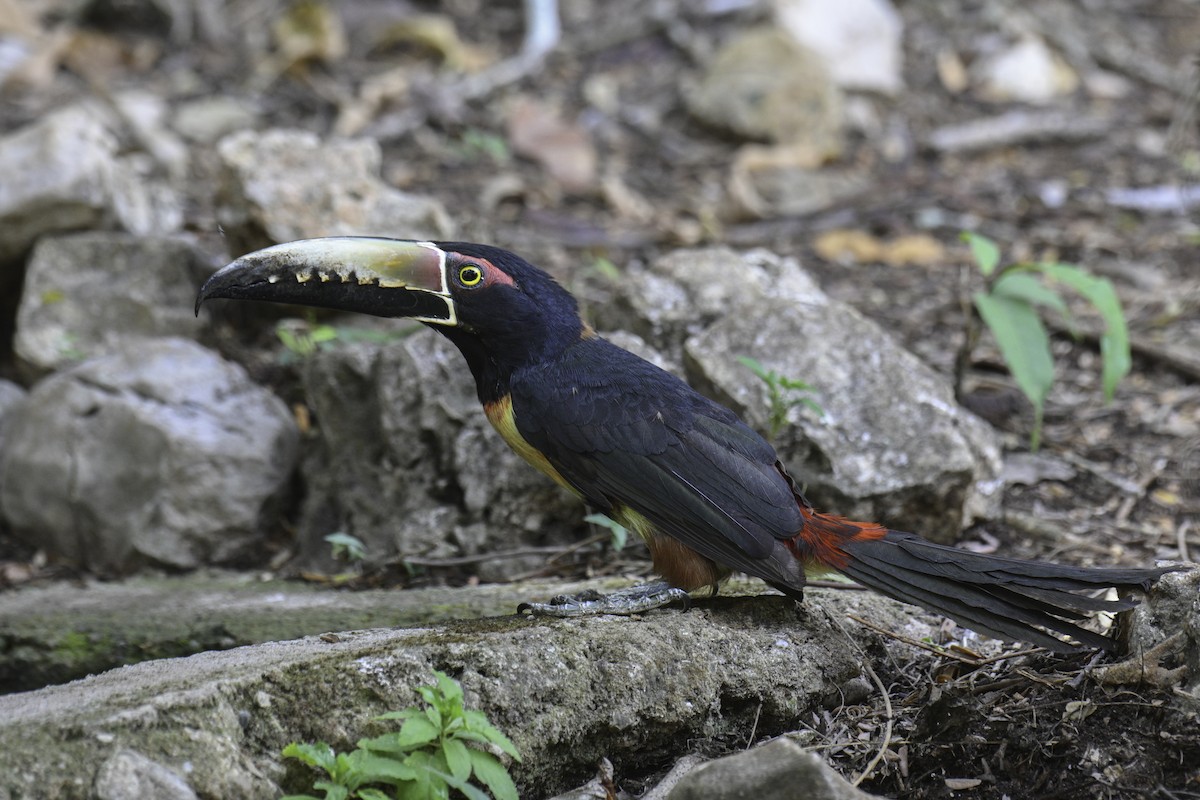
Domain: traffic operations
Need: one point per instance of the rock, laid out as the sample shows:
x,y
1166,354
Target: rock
x,y
779,770
281,185
10,394
87,294
1163,637
143,114
408,463
762,85
563,149
1026,72
766,182
163,453
64,173
892,444
1172,608
63,631
129,775
859,40
205,120
567,692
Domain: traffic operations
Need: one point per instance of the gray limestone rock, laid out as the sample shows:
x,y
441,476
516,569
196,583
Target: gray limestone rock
x,y
764,85
1171,610
892,445
408,463
162,453
779,770
65,173
281,185
62,631
86,294
129,775
567,692
10,395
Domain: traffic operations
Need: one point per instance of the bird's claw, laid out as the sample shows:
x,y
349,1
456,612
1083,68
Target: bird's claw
x,y
625,602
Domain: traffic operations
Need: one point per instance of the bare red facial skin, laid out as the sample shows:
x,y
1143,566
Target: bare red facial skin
x,y
491,273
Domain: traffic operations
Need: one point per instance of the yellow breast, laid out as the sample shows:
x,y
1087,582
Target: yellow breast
x,y
500,414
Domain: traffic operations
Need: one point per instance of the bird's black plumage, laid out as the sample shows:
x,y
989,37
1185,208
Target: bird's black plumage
x,y
622,431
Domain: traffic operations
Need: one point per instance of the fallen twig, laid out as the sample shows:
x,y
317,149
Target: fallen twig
x,y
887,731
458,561
936,650
914,642
1018,127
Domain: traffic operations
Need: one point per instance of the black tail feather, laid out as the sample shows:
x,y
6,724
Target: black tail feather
x,y
1002,597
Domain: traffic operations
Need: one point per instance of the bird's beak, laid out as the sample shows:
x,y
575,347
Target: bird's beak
x,y
384,277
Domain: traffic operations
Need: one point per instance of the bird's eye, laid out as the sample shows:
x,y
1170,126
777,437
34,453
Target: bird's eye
x,y
470,275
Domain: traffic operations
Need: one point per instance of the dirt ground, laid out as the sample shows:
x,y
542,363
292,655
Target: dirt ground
x,y
1115,483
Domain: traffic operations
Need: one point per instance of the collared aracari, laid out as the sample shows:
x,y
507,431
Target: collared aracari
x,y
707,493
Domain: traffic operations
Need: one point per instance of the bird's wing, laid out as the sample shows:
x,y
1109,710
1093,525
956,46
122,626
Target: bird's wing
x,y
622,431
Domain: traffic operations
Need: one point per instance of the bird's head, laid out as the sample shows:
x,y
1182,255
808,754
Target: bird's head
x,y
501,311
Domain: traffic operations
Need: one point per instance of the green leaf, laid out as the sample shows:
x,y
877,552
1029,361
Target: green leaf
x,y
1021,285
347,547
373,794
478,723
472,792
456,758
1114,342
415,732
984,251
429,783
449,688
795,385
755,366
814,405
323,333
620,534
1025,346
372,768
300,797
606,269
420,730
319,755
492,774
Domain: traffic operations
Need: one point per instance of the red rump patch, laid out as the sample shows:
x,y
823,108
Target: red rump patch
x,y
821,539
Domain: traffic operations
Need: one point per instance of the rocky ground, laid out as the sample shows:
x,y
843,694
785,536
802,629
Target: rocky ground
x,y
710,189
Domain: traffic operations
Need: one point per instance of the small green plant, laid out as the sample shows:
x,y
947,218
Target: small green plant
x,y
477,144
619,533
783,394
1009,306
606,269
303,337
69,348
438,748
345,547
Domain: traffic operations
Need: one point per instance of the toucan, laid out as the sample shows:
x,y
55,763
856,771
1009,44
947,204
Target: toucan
x,y
706,492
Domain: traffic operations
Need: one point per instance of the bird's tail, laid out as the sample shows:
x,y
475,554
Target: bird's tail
x,y
1003,597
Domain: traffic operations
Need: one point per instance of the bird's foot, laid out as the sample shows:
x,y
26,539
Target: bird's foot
x,y
590,603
